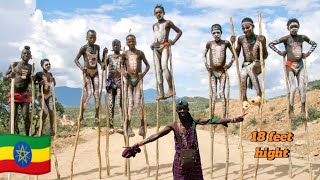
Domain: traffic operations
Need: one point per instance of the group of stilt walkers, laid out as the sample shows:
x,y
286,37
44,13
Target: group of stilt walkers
x,y
122,81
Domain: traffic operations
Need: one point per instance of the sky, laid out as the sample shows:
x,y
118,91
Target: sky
x,y
57,29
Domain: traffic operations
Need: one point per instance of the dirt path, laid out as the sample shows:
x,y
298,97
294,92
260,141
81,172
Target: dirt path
x,y
86,162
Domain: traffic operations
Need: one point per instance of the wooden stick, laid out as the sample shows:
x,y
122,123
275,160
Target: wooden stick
x,y
225,128
12,103
11,108
55,131
157,117
32,100
288,102
105,72
126,135
173,89
307,117
212,127
99,124
241,101
41,112
145,129
78,129
262,91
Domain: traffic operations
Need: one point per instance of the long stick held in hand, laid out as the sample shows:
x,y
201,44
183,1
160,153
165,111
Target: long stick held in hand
x,y
241,100
107,114
12,102
41,112
32,100
55,130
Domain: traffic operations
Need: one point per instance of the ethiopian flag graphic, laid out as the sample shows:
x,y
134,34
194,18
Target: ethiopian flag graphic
x,y
25,154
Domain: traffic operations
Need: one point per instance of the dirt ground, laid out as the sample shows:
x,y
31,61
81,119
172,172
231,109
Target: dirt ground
x,y
86,161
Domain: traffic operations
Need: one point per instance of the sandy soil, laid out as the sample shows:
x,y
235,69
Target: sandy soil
x,y
86,161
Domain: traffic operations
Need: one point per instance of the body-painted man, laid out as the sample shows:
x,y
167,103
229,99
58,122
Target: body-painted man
x,y
132,60
294,64
22,73
114,84
91,57
251,67
44,78
185,137
217,68
162,51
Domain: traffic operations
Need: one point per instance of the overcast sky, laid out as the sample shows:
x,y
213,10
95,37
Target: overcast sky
x,y
57,29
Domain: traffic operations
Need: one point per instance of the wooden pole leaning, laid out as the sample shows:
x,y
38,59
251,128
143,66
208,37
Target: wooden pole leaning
x,y
41,112
106,103
262,90
78,120
157,117
126,135
241,101
307,117
288,102
99,122
55,131
173,88
11,108
145,128
211,126
226,128
32,99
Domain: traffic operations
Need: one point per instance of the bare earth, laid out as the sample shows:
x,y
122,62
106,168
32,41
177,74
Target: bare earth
x,y
86,161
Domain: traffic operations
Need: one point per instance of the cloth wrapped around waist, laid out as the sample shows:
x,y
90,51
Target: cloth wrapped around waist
x,y
23,97
217,73
159,46
295,66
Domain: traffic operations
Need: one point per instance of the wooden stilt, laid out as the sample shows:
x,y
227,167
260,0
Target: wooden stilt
x,y
289,119
107,115
157,117
145,128
32,100
78,129
11,108
225,128
55,131
307,117
241,101
262,90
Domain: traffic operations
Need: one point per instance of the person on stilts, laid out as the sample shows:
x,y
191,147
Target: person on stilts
x,y
294,63
45,78
22,73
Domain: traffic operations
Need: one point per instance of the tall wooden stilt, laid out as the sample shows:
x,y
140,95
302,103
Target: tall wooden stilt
x,y
288,102
307,117
262,90
241,101
78,129
55,131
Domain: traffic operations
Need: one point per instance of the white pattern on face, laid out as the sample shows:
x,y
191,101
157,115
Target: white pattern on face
x,y
293,28
247,28
46,66
216,33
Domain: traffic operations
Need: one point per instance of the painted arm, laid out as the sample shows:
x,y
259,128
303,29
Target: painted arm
x,y
264,47
204,57
233,55
275,49
146,63
238,47
312,48
177,30
76,60
98,59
